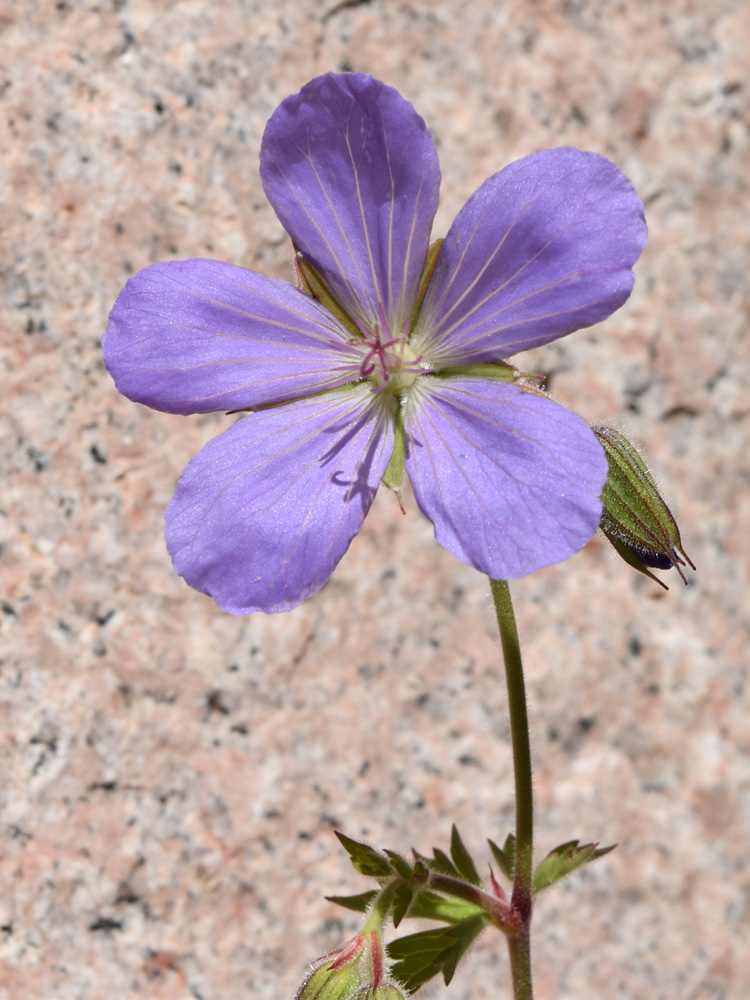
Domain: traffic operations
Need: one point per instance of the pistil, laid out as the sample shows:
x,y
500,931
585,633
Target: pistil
x,y
389,363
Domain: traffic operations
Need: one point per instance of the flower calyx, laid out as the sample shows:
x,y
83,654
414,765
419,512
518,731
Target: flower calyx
x,y
386,991
335,976
358,970
635,518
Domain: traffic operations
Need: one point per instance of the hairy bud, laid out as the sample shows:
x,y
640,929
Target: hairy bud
x,y
386,991
635,518
337,976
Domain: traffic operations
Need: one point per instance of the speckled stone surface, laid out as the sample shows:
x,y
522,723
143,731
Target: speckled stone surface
x,y
171,776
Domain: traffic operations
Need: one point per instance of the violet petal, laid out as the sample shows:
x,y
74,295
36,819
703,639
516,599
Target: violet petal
x,y
510,480
352,172
543,248
197,335
265,511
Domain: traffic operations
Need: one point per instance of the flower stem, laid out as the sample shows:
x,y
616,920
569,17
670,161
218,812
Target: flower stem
x,y
519,945
379,908
519,949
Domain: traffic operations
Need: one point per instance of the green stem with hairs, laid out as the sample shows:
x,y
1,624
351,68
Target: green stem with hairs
x,y
519,944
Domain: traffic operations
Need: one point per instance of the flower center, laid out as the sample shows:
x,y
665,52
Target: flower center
x,y
390,364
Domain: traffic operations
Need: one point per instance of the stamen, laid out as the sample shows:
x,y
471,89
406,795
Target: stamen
x,y
387,354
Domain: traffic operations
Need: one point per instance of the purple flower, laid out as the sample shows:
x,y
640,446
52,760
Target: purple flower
x,y
510,480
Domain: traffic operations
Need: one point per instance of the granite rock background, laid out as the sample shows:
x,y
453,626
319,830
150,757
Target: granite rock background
x,y
170,776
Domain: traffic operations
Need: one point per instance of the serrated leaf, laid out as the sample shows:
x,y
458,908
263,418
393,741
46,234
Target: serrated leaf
x,y
463,860
419,957
402,900
357,903
366,860
563,860
399,864
505,857
443,864
450,910
421,872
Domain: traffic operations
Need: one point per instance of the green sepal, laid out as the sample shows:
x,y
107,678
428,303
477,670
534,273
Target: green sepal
x,y
386,991
505,857
419,957
393,477
630,558
326,983
312,282
358,903
463,860
563,860
498,371
635,518
365,859
429,269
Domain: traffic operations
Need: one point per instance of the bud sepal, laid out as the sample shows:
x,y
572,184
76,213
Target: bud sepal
x,y
335,976
635,518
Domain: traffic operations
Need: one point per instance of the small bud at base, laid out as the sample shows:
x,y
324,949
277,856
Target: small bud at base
x,y
386,991
337,976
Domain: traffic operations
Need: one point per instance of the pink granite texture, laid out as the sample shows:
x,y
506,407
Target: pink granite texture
x,y
170,775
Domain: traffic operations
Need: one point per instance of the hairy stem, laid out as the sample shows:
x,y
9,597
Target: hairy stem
x,y
519,949
498,910
519,944
378,910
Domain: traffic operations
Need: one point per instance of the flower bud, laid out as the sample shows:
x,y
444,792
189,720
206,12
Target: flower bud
x,y
635,518
337,976
386,991
326,983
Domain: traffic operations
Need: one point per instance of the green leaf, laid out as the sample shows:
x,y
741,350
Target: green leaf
x,y
399,865
402,900
366,860
358,903
450,910
463,860
419,957
563,860
443,864
421,871
505,858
